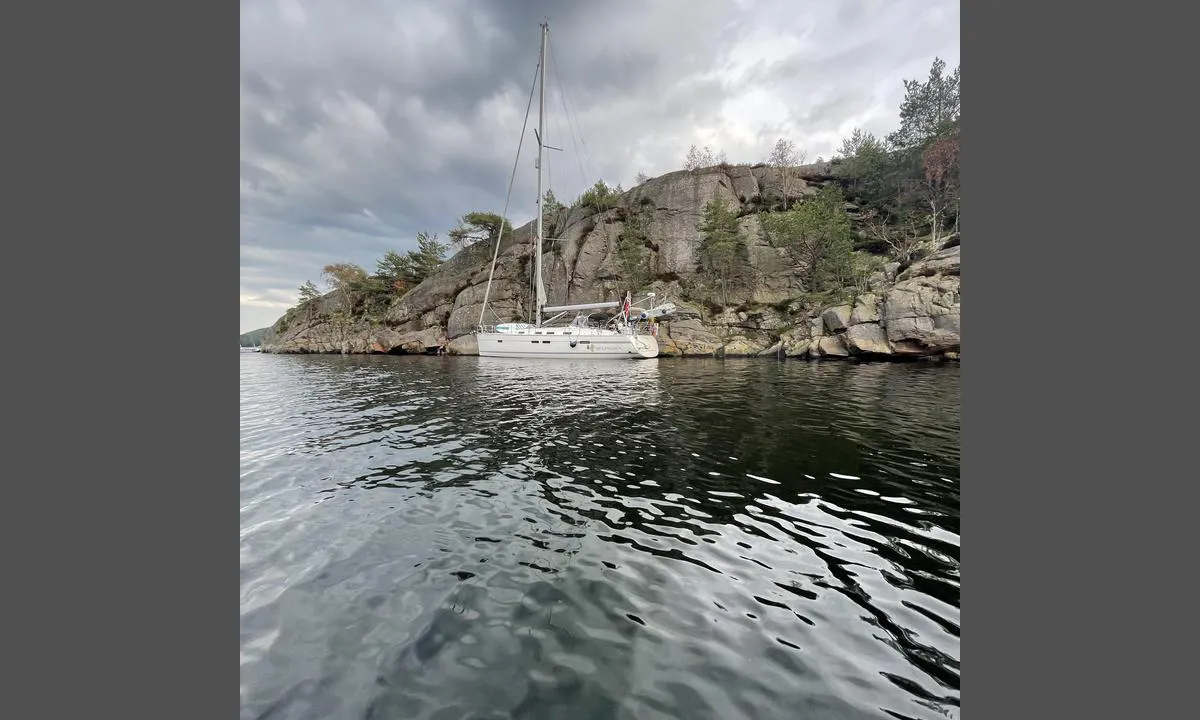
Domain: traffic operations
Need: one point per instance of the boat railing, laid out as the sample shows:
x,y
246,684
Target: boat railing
x,y
635,328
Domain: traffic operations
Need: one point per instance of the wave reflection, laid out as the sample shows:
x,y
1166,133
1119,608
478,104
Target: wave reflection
x,y
480,537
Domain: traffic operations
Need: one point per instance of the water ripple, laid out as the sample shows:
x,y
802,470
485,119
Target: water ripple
x,y
470,537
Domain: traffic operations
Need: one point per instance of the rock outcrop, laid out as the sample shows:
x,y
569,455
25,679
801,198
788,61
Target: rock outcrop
x,y
915,316
903,313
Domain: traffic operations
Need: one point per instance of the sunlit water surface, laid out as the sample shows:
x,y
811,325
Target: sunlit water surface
x,y
486,538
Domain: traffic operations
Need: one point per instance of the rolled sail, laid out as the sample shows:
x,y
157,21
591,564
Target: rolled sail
x,y
585,306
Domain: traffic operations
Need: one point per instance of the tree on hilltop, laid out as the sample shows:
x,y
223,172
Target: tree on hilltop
x,y
475,227
345,278
427,258
785,157
702,158
859,144
930,109
599,196
401,272
308,292
871,171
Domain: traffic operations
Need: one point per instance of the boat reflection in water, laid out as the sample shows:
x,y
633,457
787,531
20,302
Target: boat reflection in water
x,y
530,398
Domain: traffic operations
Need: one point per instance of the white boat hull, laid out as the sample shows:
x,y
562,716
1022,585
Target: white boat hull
x,y
566,346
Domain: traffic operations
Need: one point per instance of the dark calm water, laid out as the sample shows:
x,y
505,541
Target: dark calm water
x,y
485,538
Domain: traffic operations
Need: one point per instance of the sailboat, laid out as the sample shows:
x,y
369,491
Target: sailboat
x,y
627,333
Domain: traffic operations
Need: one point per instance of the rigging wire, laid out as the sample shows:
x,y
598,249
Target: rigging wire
x,y
562,92
511,181
550,177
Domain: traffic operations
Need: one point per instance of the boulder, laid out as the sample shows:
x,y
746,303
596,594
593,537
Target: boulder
x,y
942,262
836,319
866,309
795,342
921,315
463,345
688,338
866,339
831,346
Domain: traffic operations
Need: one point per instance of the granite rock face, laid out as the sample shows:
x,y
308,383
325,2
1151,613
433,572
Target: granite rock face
x,y
905,312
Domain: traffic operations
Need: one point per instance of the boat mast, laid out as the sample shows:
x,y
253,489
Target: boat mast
x,y
539,289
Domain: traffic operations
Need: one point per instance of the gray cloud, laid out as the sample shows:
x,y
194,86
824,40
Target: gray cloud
x,y
365,123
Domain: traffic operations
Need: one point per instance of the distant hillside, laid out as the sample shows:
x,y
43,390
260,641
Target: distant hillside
x,y
253,338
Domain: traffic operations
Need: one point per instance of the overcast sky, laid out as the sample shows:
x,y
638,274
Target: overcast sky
x,y
364,123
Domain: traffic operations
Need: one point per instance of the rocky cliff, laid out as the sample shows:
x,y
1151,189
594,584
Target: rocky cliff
x,y
648,241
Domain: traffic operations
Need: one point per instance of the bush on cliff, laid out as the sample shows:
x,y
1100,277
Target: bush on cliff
x,y
599,197
723,253
817,236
